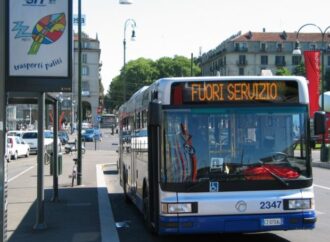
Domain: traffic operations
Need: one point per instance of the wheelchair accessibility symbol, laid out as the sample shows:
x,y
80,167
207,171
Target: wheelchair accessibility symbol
x,y
214,186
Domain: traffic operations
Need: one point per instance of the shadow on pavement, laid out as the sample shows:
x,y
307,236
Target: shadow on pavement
x,y
135,231
74,217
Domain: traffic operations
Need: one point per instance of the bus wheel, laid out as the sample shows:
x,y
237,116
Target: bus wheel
x,y
146,211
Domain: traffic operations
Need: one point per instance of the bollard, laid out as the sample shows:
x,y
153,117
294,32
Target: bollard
x,y
59,165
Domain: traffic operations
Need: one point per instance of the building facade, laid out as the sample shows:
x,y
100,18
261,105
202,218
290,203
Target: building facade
x,y
252,52
90,77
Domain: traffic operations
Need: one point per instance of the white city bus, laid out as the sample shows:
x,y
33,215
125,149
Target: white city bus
x,y
219,154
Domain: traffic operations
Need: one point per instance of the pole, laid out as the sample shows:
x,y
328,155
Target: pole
x,y
79,163
133,25
72,115
191,64
40,219
30,115
55,154
3,167
324,151
124,81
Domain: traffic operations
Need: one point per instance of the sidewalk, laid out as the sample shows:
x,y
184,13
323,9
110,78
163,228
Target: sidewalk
x,y
316,160
82,214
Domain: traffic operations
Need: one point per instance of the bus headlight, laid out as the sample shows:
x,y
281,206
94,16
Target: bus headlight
x,y
293,204
174,208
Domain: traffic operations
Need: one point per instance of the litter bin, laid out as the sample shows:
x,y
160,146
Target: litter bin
x,y
59,166
325,153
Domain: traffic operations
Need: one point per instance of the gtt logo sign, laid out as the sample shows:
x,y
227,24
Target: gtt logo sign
x,y
34,2
39,2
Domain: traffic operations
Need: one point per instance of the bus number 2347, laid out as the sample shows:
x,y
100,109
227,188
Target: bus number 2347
x,y
270,204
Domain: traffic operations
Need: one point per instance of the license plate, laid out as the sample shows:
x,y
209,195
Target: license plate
x,y
272,221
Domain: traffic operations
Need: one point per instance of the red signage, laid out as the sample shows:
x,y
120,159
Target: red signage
x,y
312,65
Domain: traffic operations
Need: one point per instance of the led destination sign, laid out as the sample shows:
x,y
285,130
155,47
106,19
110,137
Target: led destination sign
x,y
235,91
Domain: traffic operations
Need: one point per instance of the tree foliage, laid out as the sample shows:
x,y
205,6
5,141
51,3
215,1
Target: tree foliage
x,y
283,71
300,70
143,72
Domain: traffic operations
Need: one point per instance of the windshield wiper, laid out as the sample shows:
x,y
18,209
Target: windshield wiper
x,y
278,178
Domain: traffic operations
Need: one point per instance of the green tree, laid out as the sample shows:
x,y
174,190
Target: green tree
x,y
143,72
300,70
165,67
114,96
138,73
178,66
283,71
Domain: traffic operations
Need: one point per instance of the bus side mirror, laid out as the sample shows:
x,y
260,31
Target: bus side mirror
x,y
319,122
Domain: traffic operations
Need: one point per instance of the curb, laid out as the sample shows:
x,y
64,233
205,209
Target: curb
x,y
107,223
325,165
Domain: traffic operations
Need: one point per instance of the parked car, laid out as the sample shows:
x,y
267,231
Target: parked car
x,y
17,147
16,133
63,136
85,125
31,137
92,135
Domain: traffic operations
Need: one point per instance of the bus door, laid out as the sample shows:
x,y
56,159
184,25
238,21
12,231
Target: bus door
x,y
154,159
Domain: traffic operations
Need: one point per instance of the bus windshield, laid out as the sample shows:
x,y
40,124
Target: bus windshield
x,y
235,144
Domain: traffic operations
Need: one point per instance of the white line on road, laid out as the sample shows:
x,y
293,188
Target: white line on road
x,y
319,186
13,178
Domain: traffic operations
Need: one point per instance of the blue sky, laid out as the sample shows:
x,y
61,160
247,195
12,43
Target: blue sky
x,y
169,27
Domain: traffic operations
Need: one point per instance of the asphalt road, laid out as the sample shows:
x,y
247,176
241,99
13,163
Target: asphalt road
x,y
132,227
21,165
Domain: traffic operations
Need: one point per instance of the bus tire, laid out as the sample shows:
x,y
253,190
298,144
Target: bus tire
x,y
146,210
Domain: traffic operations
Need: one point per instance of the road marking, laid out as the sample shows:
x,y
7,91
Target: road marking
x,y
319,186
23,172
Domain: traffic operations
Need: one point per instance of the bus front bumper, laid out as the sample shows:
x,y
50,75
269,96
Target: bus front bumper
x,y
236,223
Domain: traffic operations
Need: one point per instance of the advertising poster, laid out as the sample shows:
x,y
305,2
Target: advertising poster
x,y
40,40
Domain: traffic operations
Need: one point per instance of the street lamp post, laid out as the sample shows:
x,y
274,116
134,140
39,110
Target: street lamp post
x,y
324,153
79,106
79,103
132,23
